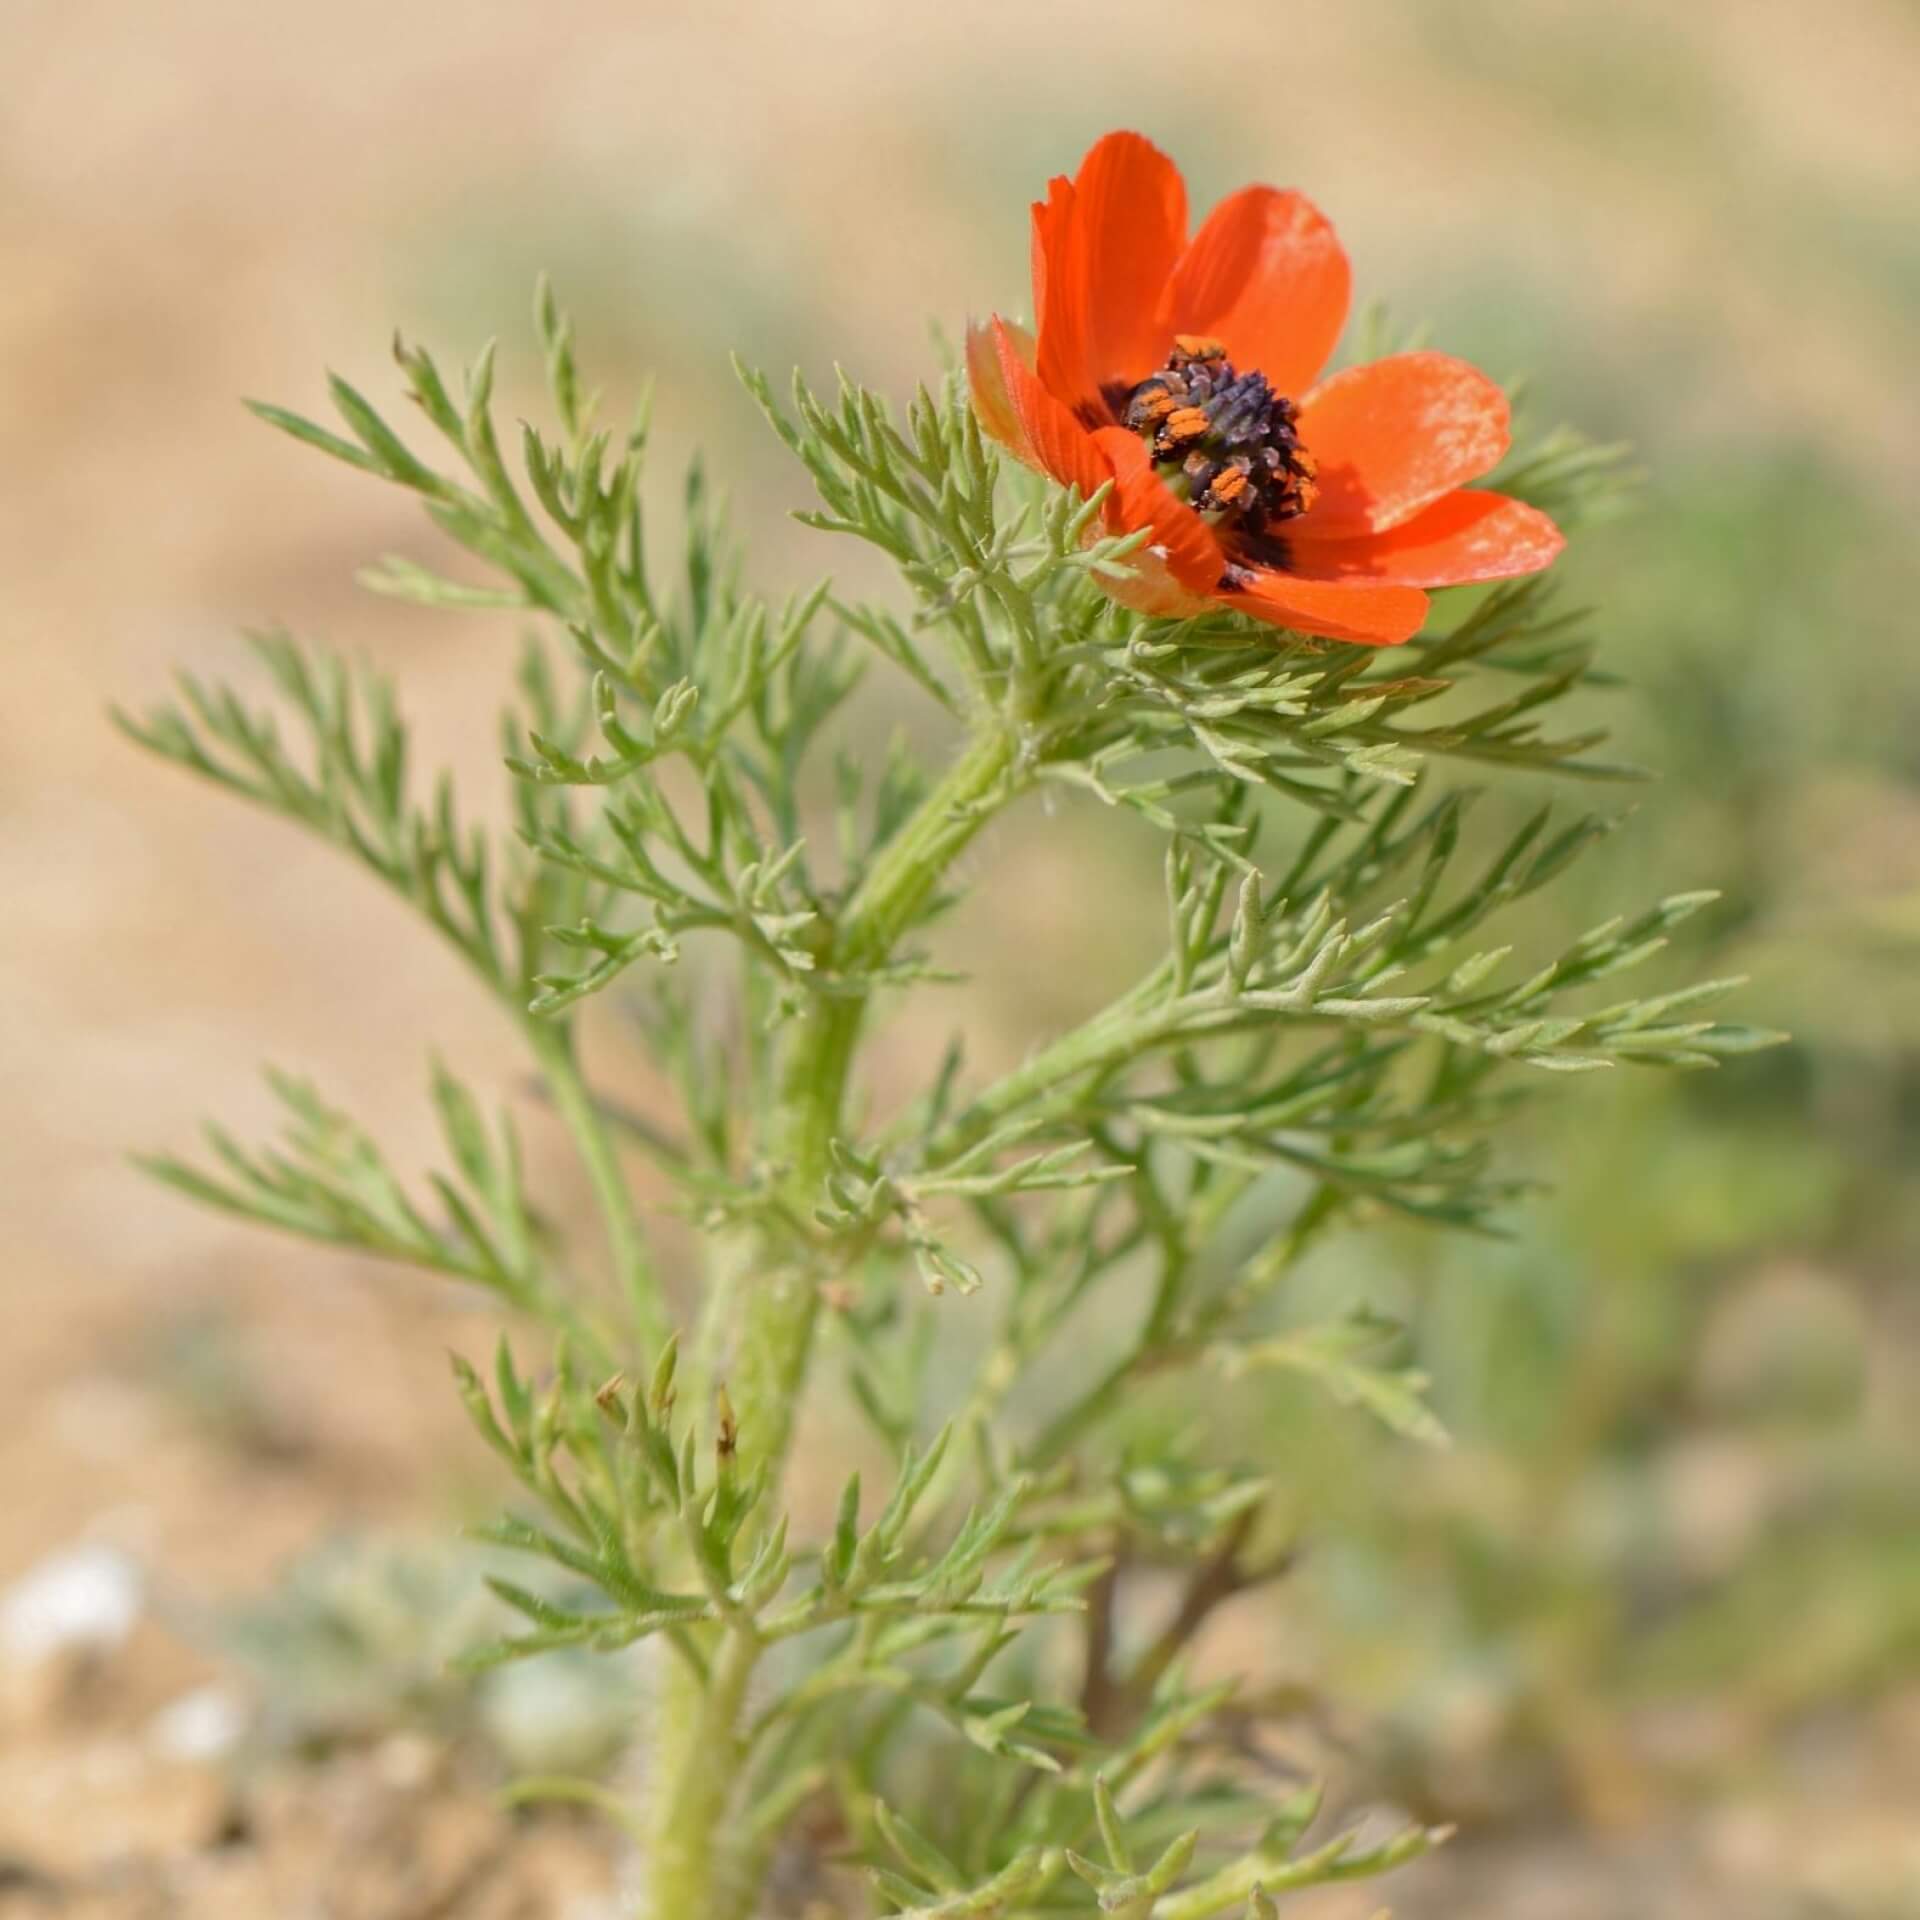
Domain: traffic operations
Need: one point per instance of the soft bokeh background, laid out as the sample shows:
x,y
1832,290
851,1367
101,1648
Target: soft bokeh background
x,y
1653,1630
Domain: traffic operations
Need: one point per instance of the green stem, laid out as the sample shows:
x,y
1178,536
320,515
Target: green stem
x,y
1113,1036
552,1044
1165,1342
769,1325
694,1868
538,1788
757,1332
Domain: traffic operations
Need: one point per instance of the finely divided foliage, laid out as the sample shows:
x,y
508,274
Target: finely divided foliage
x,y
975,1683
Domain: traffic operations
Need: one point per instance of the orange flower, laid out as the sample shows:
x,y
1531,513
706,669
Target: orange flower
x,y
1165,364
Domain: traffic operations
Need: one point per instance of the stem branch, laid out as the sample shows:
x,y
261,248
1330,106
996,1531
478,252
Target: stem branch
x,y
552,1044
758,1322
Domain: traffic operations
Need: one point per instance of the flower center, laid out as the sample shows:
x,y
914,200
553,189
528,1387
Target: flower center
x,y
1222,439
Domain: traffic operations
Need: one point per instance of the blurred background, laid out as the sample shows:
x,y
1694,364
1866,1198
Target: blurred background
x,y
1651,1631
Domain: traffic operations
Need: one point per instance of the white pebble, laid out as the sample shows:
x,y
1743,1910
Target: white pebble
x,y
85,1599
204,1725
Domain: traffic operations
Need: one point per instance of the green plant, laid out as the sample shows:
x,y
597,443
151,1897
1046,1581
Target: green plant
x,y
964,1682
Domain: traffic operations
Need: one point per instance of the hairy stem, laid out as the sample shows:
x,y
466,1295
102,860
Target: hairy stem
x,y
1110,1039
692,1872
764,1319
758,1325
552,1044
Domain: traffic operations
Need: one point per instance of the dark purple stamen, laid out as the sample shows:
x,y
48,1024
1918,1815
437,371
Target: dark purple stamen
x,y
1229,441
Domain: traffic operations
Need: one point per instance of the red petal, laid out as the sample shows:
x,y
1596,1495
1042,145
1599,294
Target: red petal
x,y
1046,435
1374,615
1181,540
1460,538
1103,248
1266,277
1393,436
988,385
1050,217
